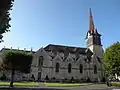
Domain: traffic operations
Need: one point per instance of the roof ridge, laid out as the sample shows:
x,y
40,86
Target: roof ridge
x,y
65,46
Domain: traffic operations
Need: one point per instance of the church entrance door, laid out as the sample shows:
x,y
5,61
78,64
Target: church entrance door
x,y
39,76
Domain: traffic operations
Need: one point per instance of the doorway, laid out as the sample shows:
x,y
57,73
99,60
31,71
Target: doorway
x,y
39,76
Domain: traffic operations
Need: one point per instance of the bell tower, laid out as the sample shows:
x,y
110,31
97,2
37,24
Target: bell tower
x,y
93,42
93,38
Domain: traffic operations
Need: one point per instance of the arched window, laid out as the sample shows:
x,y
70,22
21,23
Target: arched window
x,y
57,67
95,69
81,68
39,76
40,61
69,68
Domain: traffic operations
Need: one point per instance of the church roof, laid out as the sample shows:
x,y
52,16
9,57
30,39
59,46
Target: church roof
x,y
65,49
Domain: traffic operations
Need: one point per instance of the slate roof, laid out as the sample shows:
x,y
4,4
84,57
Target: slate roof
x,y
65,49
68,49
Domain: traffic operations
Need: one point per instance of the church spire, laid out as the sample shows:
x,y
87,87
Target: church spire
x,y
91,23
95,39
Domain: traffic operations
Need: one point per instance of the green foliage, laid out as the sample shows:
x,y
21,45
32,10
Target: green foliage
x,y
5,6
111,59
117,84
18,60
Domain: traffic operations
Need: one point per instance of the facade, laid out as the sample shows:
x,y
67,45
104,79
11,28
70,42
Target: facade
x,y
66,62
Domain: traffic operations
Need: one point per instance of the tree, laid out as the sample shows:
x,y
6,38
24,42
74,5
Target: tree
x,y
5,7
111,60
16,60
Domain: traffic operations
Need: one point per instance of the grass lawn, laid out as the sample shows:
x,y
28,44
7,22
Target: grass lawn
x,y
31,84
64,84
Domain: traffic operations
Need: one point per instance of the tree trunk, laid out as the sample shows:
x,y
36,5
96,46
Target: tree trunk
x,y
12,77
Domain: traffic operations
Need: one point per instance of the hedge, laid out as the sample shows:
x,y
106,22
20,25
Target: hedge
x,y
117,84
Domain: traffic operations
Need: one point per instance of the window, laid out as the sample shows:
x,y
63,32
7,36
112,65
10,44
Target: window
x,y
57,67
81,68
40,61
69,68
39,76
95,69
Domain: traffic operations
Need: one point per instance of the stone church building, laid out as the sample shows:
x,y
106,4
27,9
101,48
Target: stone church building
x,y
65,62
58,62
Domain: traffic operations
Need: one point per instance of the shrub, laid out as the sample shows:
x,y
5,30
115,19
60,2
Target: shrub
x,y
117,84
103,79
32,77
65,80
46,78
96,80
72,79
3,77
88,79
53,79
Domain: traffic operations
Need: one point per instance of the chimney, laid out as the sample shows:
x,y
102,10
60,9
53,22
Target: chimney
x,y
11,47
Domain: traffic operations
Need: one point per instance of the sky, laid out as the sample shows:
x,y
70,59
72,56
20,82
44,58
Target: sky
x,y
37,23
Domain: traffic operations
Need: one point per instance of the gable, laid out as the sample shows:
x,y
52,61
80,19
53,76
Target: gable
x,y
81,59
69,59
57,58
40,52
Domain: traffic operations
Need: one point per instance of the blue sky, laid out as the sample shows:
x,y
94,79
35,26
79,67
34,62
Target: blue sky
x,y
37,23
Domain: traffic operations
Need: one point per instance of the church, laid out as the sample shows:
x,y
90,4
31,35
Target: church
x,y
59,62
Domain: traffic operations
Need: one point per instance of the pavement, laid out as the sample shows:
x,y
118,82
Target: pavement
x,y
43,87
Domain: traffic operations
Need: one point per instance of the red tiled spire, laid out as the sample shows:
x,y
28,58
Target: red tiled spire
x,y
91,23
